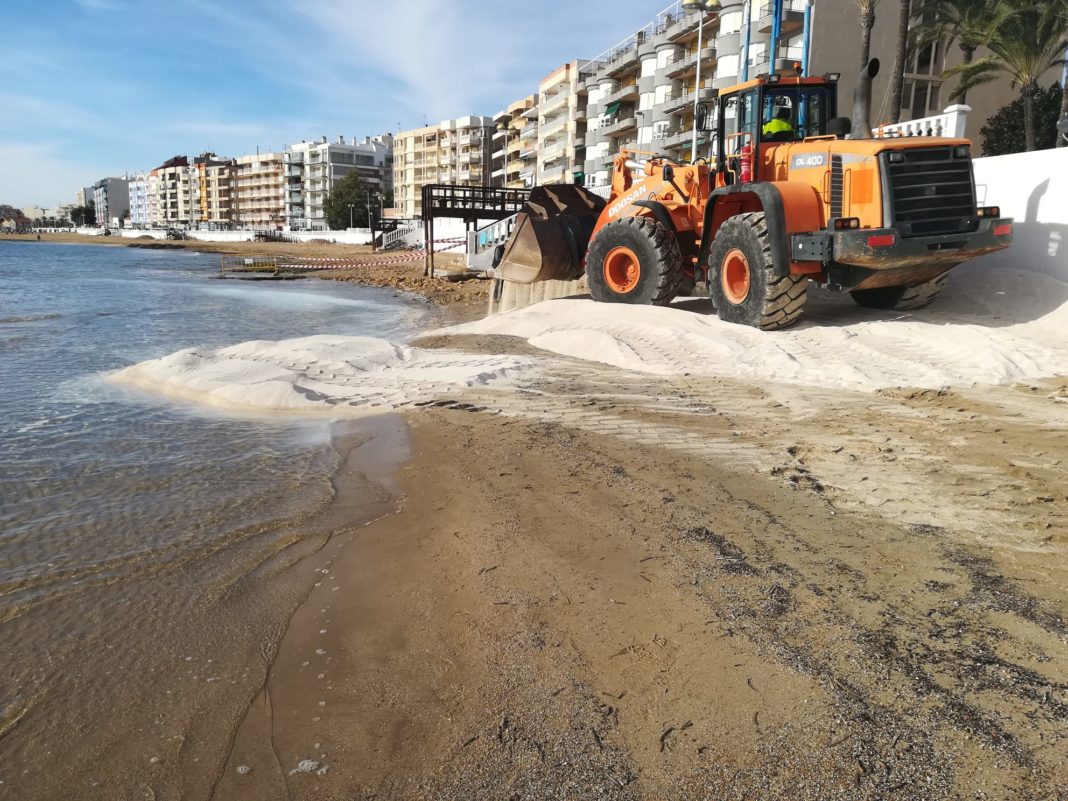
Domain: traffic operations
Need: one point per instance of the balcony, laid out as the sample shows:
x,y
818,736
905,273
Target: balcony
x,y
553,128
623,60
686,99
665,70
529,131
617,126
555,175
553,153
793,17
623,94
557,101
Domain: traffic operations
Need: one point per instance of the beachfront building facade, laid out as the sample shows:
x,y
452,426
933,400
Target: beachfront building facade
x,y
174,193
111,197
312,169
139,201
213,187
458,152
259,191
515,144
561,134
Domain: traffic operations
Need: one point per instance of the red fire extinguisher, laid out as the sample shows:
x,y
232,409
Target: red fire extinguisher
x,y
746,163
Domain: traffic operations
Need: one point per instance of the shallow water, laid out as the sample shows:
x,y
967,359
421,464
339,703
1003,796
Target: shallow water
x,y
149,553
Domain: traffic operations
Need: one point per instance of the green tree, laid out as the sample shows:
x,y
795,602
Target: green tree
x,y
966,23
1004,131
84,215
897,78
867,22
1030,39
350,190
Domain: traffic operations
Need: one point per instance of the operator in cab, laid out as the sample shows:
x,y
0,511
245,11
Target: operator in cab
x,y
778,128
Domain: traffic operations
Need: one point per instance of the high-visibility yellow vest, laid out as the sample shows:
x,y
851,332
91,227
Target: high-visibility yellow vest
x,y
776,126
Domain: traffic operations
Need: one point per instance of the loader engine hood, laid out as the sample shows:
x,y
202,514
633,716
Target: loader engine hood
x,y
551,235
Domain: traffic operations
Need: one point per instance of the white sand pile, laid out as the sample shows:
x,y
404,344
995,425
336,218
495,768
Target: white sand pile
x,y
991,325
320,373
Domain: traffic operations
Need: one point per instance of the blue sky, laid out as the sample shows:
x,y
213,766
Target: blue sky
x,y
105,87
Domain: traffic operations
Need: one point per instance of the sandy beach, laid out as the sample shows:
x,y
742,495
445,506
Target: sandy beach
x,y
614,574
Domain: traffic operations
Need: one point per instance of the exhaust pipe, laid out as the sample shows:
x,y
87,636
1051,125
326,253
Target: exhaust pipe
x,y
862,101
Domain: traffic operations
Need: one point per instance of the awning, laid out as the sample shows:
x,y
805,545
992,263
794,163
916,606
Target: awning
x,y
612,109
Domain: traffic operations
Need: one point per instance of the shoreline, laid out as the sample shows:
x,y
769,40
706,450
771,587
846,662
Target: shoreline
x,y
388,270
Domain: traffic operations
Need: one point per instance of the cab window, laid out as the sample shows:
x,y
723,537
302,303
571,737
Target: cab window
x,y
792,113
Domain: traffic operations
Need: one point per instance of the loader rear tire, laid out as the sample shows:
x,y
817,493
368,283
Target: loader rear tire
x,y
634,260
744,284
901,298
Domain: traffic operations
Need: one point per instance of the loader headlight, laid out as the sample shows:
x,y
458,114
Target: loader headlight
x,y
989,211
896,157
961,152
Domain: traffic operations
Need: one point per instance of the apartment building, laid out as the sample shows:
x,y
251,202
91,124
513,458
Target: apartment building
x,y
515,144
259,191
835,47
458,152
213,189
175,192
312,169
139,201
561,125
111,197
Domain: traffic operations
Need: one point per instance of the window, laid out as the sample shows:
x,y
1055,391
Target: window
x,y
805,112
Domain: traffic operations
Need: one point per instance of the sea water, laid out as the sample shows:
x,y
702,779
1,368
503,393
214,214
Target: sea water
x,y
147,549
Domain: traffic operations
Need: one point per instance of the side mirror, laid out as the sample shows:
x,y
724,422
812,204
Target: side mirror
x,y
704,118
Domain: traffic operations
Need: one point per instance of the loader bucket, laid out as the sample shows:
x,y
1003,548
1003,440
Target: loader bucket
x,y
551,235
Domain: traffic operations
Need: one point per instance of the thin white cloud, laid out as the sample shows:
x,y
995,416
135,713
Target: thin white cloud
x,y
37,173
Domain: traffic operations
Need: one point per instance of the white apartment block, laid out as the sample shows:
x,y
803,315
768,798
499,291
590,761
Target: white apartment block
x,y
458,152
259,191
139,201
561,126
111,197
641,92
515,144
312,169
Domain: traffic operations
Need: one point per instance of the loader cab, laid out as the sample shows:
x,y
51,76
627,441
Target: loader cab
x,y
766,111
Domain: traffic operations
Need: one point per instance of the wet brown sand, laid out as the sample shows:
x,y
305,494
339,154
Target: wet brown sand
x,y
164,658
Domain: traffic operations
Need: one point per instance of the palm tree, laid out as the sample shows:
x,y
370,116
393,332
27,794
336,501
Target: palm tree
x,y
897,79
867,22
1030,39
969,23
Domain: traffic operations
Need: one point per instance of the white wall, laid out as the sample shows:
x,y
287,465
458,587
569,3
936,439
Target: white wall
x,y
1032,188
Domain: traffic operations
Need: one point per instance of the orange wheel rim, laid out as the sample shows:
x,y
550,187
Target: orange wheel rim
x,y
622,270
734,276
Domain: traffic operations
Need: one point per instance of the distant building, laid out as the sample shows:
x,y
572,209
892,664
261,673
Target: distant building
x,y
259,191
174,193
312,169
213,186
515,144
33,213
139,201
458,152
111,197
561,126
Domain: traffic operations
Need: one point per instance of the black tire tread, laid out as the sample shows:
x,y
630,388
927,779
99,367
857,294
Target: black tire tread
x,y
902,298
669,258
784,296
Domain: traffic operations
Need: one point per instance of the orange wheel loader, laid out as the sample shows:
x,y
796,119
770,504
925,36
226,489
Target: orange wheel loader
x,y
811,197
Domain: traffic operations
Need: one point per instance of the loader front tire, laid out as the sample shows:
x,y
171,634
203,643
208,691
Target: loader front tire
x,y
901,298
744,284
634,260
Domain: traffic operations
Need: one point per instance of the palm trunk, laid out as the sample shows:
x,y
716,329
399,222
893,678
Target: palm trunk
x,y
867,21
1062,141
968,54
1028,96
897,80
